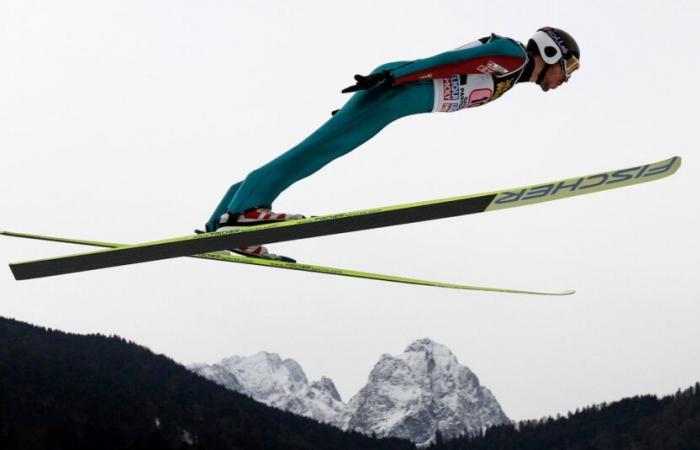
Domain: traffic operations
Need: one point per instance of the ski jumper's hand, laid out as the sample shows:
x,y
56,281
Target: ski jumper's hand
x,y
380,79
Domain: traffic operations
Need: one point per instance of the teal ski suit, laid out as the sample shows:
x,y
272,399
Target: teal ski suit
x,y
469,76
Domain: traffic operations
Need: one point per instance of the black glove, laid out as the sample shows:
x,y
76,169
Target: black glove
x,y
381,79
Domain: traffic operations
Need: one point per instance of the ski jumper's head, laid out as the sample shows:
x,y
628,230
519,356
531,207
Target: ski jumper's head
x,y
556,56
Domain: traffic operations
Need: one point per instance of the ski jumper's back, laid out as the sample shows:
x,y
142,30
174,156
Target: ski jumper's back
x,y
472,75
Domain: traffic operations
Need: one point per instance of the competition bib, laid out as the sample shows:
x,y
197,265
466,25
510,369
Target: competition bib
x,y
462,91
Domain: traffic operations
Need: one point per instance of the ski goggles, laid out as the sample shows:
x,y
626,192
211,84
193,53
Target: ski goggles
x,y
569,65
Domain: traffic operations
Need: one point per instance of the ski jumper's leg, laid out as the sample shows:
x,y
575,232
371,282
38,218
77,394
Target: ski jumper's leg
x,y
222,207
362,117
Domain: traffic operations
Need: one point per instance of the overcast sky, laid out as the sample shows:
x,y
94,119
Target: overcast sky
x,y
127,120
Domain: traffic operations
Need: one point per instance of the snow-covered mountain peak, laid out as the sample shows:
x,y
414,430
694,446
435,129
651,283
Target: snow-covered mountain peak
x,y
278,382
427,356
424,389
326,385
266,372
424,344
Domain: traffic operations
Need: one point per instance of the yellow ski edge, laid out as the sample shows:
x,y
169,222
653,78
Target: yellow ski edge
x,y
227,257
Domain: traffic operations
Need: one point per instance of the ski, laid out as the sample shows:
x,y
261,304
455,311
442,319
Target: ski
x,y
345,222
227,257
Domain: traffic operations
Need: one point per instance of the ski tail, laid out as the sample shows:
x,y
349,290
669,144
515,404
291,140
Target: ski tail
x,y
60,239
227,257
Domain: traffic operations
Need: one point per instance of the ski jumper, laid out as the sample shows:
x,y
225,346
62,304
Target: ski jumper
x,y
469,76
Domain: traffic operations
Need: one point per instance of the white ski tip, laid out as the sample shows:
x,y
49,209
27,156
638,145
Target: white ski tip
x,y
569,292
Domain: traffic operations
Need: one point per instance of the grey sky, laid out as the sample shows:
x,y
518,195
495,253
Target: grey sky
x,y
127,120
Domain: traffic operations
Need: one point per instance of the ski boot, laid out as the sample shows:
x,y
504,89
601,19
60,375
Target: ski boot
x,y
252,217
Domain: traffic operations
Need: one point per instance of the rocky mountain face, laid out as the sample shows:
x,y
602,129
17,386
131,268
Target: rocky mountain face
x,y
410,396
420,391
280,383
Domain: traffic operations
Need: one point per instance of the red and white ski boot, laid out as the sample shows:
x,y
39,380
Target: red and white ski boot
x,y
252,217
259,216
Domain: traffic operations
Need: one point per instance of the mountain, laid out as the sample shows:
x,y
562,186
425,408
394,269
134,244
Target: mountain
x,y
409,396
638,423
421,391
67,391
280,383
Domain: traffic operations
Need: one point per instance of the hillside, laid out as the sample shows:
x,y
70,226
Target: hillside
x,y
637,423
67,391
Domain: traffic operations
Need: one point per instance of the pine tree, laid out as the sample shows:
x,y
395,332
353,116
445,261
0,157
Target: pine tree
x,y
439,440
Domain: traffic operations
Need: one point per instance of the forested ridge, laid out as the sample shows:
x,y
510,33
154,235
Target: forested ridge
x,y
638,423
66,391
